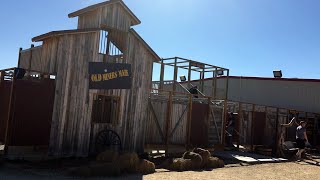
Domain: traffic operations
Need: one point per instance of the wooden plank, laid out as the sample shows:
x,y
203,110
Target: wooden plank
x,y
175,75
189,75
156,121
8,133
189,122
253,121
168,121
227,86
240,115
30,60
275,145
225,119
215,84
202,80
162,75
179,121
19,57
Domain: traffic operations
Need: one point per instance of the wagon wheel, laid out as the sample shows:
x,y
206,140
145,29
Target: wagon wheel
x,y
107,140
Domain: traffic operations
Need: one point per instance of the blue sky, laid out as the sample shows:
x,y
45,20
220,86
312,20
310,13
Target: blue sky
x,y
250,37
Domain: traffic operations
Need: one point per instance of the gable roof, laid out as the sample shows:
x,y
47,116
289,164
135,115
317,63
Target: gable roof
x,y
146,45
63,32
79,31
135,20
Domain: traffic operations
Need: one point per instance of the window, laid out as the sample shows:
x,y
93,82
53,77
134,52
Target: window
x,y
105,109
107,46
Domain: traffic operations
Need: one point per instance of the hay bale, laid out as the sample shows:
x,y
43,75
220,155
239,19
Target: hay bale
x,y
79,172
105,169
221,163
214,162
177,164
205,154
145,167
107,156
181,164
187,165
128,162
167,164
195,158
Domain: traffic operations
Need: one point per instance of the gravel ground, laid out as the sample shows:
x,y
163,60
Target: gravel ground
x,y
291,170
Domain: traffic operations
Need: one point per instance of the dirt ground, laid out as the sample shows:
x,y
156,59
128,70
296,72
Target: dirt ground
x,y
291,170
283,171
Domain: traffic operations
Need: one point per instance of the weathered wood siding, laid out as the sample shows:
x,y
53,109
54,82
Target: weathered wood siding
x,y
70,132
113,15
133,103
68,57
35,56
179,121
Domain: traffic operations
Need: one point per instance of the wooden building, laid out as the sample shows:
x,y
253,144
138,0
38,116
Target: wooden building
x,y
104,34
149,114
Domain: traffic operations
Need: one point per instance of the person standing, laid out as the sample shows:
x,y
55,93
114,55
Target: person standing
x,y
301,138
229,129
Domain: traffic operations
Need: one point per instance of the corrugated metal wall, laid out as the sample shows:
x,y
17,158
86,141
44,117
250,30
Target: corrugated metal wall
x,y
298,95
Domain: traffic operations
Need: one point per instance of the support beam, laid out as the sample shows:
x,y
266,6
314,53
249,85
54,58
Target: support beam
x,y
175,75
10,117
253,125
240,124
202,81
19,57
189,75
209,112
275,146
161,75
188,135
2,77
215,84
30,59
225,118
105,56
168,121
227,85
212,85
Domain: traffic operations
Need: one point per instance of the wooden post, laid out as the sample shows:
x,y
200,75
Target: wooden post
x,y
30,59
161,75
253,125
202,81
215,84
275,146
209,111
168,121
212,84
189,75
240,124
227,85
175,74
225,111
189,122
1,76
105,56
10,114
225,118
19,57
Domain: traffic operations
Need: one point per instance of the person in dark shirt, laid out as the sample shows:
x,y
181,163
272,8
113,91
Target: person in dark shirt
x,y
301,138
194,90
229,129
